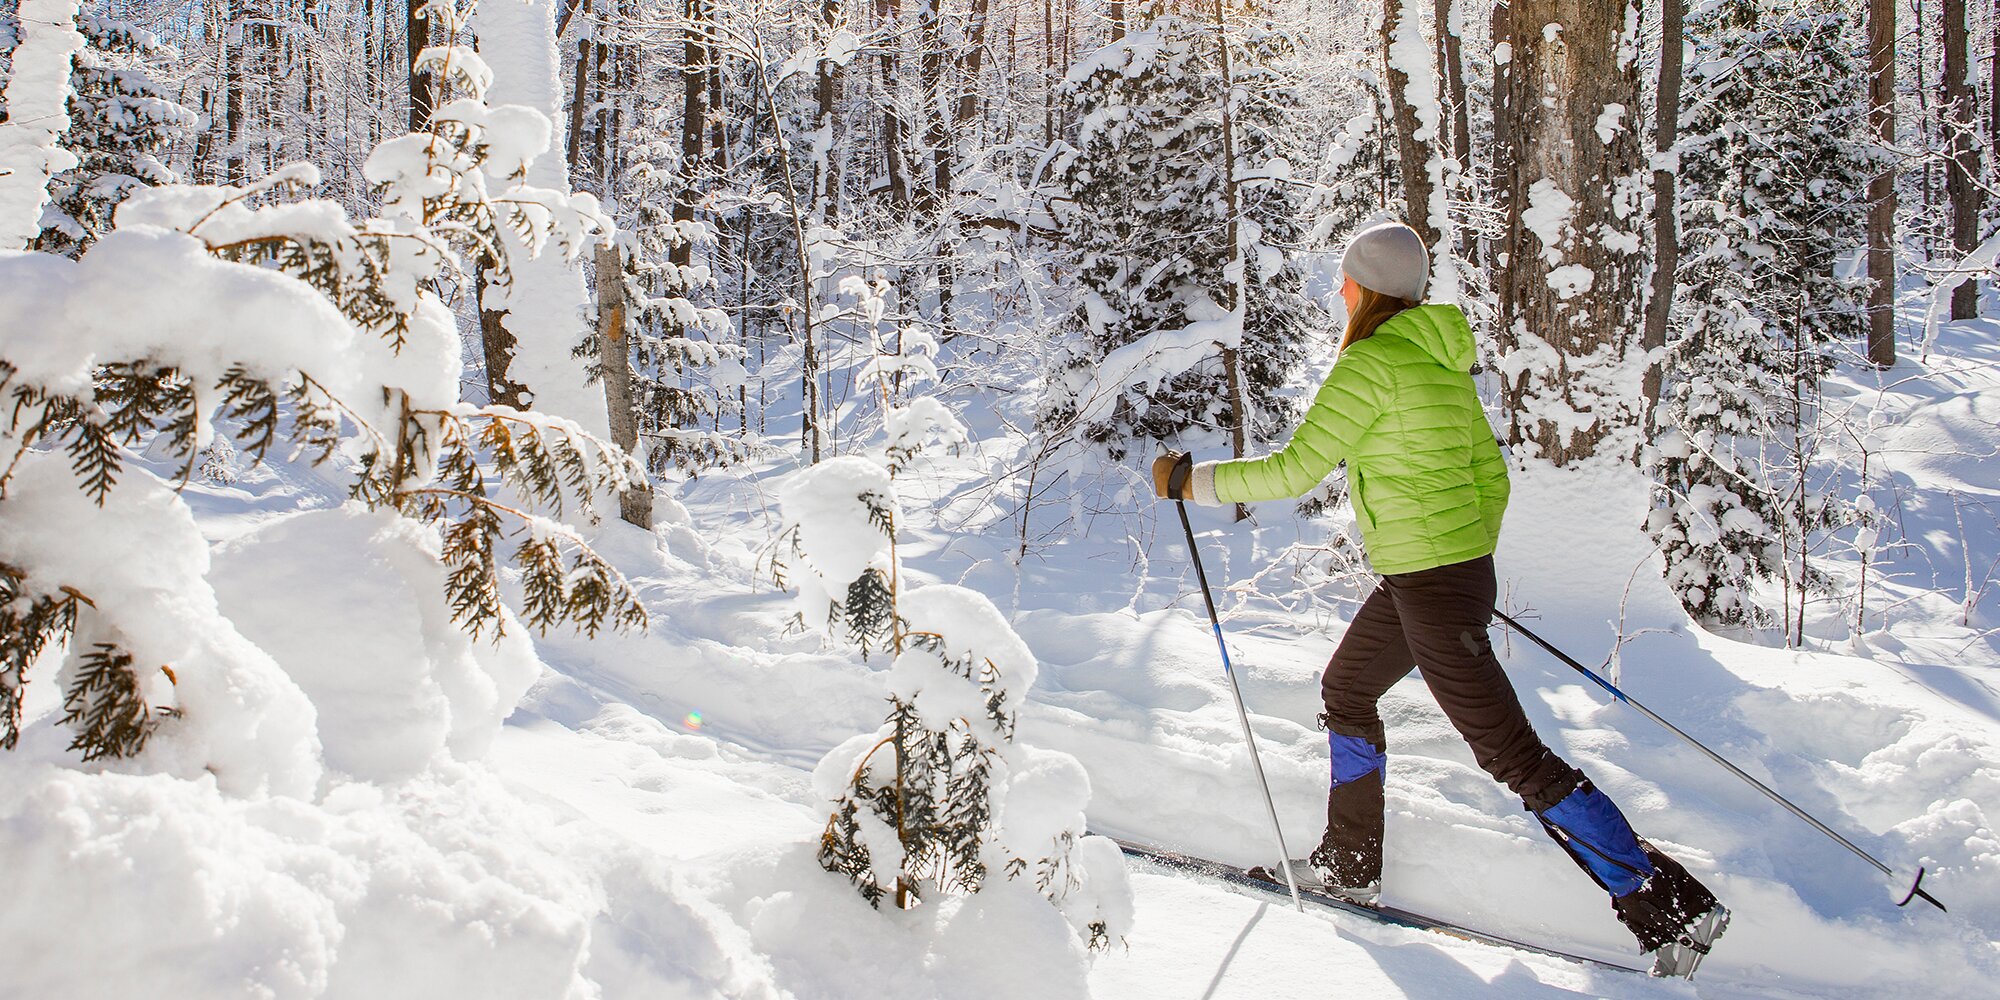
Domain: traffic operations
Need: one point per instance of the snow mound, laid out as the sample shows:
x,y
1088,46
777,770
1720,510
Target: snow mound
x,y
436,888
351,604
143,568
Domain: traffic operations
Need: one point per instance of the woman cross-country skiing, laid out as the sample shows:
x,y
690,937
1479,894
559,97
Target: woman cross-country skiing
x,y
1429,487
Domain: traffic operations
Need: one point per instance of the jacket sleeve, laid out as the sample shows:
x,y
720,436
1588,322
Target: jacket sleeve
x,y
1356,394
1489,478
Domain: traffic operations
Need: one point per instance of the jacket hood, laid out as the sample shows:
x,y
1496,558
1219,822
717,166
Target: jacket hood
x,y
1441,330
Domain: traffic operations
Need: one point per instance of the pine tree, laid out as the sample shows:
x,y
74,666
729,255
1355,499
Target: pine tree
x,y
121,123
1148,220
1774,172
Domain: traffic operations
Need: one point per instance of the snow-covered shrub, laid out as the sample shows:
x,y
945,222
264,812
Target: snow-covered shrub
x,y
1148,218
683,374
940,798
253,312
1774,171
893,371
837,549
121,122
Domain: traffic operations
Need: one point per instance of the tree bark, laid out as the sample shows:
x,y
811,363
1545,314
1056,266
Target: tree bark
x,y
1501,155
1413,155
580,97
826,176
423,88
1666,195
614,359
1451,58
234,41
694,120
1232,197
1993,91
894,139
1568,301
1961,116
1882,189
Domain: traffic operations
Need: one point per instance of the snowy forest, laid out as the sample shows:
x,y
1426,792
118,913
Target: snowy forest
x,y
585,499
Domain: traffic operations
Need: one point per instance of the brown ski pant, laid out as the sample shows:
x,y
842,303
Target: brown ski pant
x,y
1434,620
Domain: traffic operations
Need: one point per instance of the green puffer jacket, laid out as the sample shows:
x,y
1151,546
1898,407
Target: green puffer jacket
x,y
1425,475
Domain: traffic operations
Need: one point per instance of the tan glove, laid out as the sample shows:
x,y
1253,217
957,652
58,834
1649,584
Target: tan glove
x,y
1170,475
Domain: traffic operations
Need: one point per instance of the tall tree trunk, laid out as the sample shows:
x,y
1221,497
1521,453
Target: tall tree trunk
x,y
1451,58
934,205
496,344
894,139
1961,116
614,359
826,175
1569,300
1117,19
694,121
1501,154
1993,92
580,93
1666,194
234,41
1882,189
423,88
1402,46
1238,269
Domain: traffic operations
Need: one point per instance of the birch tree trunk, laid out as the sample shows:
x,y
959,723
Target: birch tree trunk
x,y
1961,115
1569,321
1666,193
1882,189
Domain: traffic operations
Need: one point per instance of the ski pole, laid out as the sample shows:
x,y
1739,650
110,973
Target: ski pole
x,y
1242,715
1916,886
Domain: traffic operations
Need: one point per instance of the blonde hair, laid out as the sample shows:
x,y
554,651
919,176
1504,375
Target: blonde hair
x,y
1371,312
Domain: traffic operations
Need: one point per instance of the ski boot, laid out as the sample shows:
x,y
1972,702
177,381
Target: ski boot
x,y
1312,877
1674,916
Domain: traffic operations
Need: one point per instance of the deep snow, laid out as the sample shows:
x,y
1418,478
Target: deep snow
x,y
643,824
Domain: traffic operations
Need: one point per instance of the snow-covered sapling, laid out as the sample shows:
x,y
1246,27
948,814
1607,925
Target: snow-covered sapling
x,y
940,797
256,312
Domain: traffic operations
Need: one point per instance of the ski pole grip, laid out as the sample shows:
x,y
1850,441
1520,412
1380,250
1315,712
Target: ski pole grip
x,y
1177,480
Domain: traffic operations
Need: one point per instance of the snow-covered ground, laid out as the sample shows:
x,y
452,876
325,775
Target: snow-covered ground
x,y
644,822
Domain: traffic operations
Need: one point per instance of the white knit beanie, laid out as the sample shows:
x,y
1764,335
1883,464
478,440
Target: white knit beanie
x,y
1389,259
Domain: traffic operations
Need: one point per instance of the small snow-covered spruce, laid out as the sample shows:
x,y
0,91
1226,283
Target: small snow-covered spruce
x,y
121,123
1775,166
294,324
836,548
940,797
1148,217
